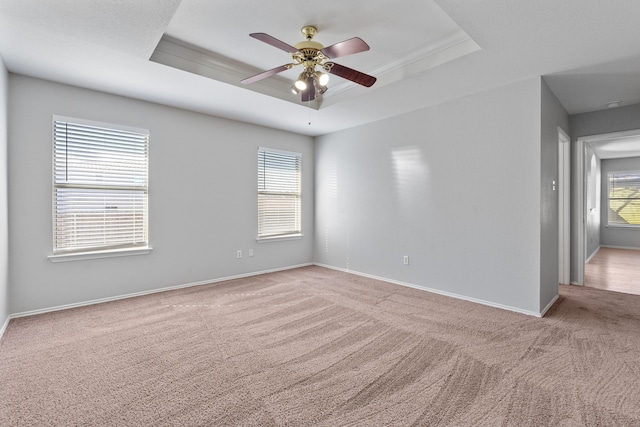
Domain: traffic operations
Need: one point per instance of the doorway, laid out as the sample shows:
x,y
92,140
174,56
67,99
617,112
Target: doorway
x,y
607,146
564,219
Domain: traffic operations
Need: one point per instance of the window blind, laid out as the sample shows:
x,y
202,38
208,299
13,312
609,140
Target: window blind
x,y
100,195
279,193
624,198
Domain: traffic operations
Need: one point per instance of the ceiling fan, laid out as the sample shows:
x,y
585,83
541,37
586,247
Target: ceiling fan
x,y
311,54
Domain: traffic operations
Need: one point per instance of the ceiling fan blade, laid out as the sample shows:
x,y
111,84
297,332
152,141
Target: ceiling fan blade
x,y
353,75
266,74
263,37
344,48
309,94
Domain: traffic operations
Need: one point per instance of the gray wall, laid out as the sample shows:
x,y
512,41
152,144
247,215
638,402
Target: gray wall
x,y
611,236
4,230
202,198
592,191
553,116
595,123
455,187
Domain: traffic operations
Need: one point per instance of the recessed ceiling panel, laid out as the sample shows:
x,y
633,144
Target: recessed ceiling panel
x,y
408,38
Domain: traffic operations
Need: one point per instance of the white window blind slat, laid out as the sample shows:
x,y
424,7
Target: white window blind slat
x,y
279,193
100,179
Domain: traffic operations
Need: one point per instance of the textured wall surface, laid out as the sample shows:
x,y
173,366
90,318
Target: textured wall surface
x,y
552,117
592,190
4,227
455,187
202,198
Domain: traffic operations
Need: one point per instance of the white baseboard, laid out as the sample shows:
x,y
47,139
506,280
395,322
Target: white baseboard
x,y
4,327
439,292
257,273
152,291
592,255
553,301
621,247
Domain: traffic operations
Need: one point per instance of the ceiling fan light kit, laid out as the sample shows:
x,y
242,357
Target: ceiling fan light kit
x,y
311,55
301,83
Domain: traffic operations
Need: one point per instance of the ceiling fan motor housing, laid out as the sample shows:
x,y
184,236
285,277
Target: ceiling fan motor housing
x,y
309,49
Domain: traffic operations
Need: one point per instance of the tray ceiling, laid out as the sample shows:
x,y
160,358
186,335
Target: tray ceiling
x,y
425,53
199,40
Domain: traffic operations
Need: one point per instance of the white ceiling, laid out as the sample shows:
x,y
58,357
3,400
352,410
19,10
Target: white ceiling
x,y
587,50
617,145
230,55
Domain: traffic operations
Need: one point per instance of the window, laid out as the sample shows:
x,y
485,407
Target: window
x,y
100,190
624,198
279,194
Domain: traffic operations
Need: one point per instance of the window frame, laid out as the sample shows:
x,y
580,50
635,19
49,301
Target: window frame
x,y
261,236
91,252
608,206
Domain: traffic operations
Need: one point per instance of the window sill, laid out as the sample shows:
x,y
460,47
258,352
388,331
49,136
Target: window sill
x,y
99,254
624,227
279,238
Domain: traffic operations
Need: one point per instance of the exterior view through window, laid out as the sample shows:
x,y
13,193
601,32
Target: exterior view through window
x,y
624,198
100,186
279,193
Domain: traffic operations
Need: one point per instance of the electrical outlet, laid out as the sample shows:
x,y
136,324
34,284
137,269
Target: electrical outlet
x,y
250,252
239,254
406,260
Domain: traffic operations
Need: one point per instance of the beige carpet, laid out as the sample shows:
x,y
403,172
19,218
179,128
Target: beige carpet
x,y
313,346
